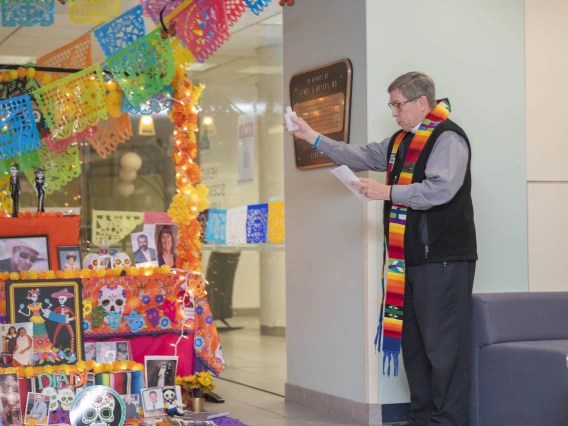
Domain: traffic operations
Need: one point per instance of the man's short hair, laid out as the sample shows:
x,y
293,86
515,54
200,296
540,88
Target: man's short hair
x,y
142,236
413,85
153,392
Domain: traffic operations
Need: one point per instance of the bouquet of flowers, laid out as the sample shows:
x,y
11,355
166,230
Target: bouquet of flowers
x,y
195,386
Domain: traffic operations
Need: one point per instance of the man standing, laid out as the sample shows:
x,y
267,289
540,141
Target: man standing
x,y
144,254
24,255
15,189
432,250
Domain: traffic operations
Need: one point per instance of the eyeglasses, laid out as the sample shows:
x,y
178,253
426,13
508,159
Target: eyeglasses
x,y
25,255
398,105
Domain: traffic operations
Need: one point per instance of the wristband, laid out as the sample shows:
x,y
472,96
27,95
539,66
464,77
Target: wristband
x,y
314,146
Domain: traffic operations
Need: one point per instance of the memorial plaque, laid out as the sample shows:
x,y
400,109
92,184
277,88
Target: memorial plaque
x,y
322,97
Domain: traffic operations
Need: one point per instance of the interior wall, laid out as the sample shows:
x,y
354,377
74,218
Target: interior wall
x,y
219,162
547,90
325,248
474,51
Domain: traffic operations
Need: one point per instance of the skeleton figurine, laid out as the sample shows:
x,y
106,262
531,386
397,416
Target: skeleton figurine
x,y
170,400
63,296
39,187
15,189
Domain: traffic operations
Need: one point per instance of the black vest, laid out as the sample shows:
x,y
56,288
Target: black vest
x,y
443,233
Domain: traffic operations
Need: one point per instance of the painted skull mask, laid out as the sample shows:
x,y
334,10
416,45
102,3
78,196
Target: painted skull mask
x,y
65,398
53,401
100,412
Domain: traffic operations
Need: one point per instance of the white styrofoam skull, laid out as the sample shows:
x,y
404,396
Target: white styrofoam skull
x,y
65,397
112,299
101,412
121,260
91,261
53,401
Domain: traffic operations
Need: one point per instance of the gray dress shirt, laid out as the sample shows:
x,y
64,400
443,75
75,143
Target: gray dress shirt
x,y
445,169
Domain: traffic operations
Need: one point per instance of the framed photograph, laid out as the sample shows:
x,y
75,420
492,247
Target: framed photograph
x,y
19,254
144,248
160,370
17,344
90,351
55,309
37,408
153,402
10,399
113,351
166,237
132,404
69,258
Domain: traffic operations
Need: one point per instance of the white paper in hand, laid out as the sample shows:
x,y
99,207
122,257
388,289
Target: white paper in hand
x,y
346,176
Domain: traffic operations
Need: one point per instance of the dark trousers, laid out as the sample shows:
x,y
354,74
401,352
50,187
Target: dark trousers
x,y
436,340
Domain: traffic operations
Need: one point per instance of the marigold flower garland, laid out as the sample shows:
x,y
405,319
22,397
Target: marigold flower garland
x,y
109,367
85,273
191,197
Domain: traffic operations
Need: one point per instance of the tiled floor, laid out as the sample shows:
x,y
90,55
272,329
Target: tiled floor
x,y
257,408
252,359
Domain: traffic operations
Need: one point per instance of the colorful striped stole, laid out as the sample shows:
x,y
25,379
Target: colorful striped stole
x,y
392,304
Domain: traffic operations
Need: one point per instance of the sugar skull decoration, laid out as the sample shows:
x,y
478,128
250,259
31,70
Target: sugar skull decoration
x,y
112,297
53,401
65,397
98,406
135,321
91,261
121,260
98,315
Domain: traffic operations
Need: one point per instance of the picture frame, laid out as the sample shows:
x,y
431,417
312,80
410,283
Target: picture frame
x,y
160,370
63,258
13,344
55,308
153,402
132,404
148,256
24,253
113,351
37,408
10,399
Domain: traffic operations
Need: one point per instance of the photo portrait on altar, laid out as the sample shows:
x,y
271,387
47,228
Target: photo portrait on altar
x,y
69,258
54,307
160,370
144,248
17,344
153,402
132,403
37,408
19,254
10,398
166,240
112,351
